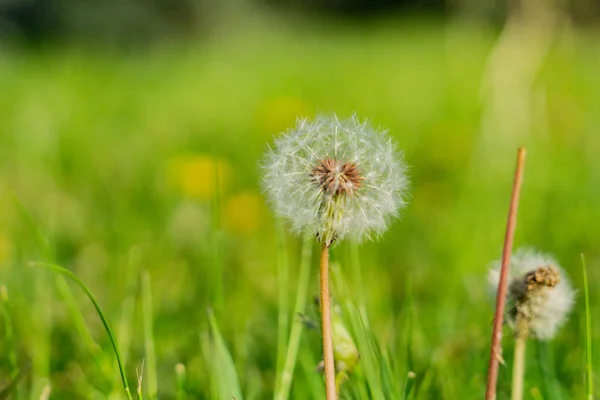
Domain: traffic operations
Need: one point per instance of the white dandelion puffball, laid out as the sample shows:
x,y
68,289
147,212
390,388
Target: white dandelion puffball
x,y
335,178
539,293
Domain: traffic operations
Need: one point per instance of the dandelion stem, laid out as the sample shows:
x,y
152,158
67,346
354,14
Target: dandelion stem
x,y
495,350
326,324
519,362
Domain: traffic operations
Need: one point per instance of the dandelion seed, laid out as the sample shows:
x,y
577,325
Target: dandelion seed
x,y
335,178
539,296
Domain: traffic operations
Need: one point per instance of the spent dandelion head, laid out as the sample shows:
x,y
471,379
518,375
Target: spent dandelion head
x,y
335,178
539,296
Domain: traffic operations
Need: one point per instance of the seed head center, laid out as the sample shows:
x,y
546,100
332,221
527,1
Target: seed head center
x,y
543,276
335,177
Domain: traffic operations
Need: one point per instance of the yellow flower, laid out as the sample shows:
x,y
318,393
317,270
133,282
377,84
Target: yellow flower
x,y
243,213
197,175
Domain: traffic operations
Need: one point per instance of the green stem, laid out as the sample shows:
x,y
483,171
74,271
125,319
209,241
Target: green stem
x,y
588,331
283,304
216,286
9,339
72,276
287,375
149,336
180,372
519,362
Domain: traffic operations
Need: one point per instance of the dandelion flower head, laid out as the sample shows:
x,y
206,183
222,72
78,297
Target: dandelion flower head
x,y
539,293
335,178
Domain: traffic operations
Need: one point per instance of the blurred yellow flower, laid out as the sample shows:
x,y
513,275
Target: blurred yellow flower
x,y
243,213
279,114
197,175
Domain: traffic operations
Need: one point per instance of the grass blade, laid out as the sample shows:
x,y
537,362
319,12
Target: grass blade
x,y
9,341
80,327
369,355
222,366
140,380
149,336
72,276
286,377
215,288
588,331
181,378
551,388
282,306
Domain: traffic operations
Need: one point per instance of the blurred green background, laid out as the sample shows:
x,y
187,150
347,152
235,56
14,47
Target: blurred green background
x,y
133,145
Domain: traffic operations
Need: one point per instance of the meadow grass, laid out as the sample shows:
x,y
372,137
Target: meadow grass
x,y
124,163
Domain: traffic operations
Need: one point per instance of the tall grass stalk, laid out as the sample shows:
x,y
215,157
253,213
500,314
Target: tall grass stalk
x,y
495,348
215,288
588,332
9,340
282,306
124,332
140,379
326,323
124,324
180,374
287,375
408,326
72,276
151,374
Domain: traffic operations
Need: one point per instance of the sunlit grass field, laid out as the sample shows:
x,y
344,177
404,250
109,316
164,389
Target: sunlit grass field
x,y
139,172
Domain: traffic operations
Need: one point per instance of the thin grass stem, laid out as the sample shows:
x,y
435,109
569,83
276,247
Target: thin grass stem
x,y
216,286
9,339
588,332
495,348
283,305
296,332
151,374
72,276
326,323
140,380
181,378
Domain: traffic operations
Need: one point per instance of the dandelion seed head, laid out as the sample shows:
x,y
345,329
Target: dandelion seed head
x,y
538,292
332,176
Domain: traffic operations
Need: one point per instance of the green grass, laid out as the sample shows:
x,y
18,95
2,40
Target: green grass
x,y
92,143
588,332
111,336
